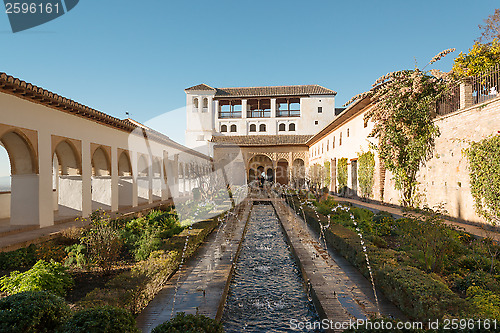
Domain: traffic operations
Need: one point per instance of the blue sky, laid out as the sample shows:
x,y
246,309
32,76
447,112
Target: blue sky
x,y
139,56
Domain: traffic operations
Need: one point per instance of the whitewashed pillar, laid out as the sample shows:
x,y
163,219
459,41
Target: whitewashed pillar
x,y
114,179
86,179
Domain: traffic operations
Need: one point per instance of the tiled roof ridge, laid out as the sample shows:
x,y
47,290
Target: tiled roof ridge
x,y
22,89
40,95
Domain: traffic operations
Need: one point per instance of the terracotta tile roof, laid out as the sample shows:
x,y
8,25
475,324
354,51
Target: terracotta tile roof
x,y
22,89
303,90
261,140
201,86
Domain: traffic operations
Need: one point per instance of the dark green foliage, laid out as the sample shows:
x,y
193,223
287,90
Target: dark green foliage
x,y
342,174
102,241
104,319
427,268
484,163
24,257
32,312
183,323
48,276
366,169
145,234
76,255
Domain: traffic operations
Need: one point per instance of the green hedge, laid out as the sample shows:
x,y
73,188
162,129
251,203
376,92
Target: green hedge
x,y
418,294
32,312
190,323
105,319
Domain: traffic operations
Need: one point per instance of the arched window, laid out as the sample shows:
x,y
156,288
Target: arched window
x,y
253,128
262,127
205,102
233,128
195,103
282,127
291,127
223,128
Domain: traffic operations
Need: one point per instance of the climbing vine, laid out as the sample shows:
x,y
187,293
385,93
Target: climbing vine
x,y
327,173
342,173
366,168
404,102
484,165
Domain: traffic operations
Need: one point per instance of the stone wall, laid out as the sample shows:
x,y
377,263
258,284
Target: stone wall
x,y
445,178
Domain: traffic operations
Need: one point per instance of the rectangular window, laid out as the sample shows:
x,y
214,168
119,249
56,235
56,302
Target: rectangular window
x,y
320,109
259,108
315,122
229,109
288,107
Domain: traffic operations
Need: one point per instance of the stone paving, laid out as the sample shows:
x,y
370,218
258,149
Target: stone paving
x,y
201,285
343,293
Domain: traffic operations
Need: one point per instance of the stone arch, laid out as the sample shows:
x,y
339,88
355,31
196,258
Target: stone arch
x,y
156,167
282,171
142,166
21,153
101,165
68,159
124,165
258,164
298,172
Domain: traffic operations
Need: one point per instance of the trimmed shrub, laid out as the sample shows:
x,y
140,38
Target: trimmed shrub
x,y
48,276
183,323
23,257
32,311
104,319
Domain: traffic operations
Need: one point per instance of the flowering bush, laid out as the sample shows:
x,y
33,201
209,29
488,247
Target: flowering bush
x,y
402,116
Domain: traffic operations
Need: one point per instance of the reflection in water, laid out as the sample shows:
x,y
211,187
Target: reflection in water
x,y
267,290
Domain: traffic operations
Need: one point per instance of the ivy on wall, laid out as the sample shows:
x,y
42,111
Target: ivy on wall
x,y
484,166
328,178
342,173
366,168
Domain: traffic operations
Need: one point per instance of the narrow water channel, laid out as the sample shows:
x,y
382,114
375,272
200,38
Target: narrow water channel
x,y
267,290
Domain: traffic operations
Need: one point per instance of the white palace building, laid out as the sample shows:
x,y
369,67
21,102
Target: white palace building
x,y
275,110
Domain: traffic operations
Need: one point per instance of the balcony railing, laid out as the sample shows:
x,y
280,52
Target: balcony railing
x,y
229,114
473,90
288,113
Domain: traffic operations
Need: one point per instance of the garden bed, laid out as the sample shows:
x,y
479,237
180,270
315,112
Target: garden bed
x,y
429,270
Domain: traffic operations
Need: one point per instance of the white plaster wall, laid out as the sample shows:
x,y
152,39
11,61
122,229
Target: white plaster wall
x,y
125,191
4,205
351,146
101,193
46,121
156,185
25,200
143,190
70,195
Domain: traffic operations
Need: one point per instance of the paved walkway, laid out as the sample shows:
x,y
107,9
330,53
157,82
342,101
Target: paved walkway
x,y
16,237
398,212
201,285
342,292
